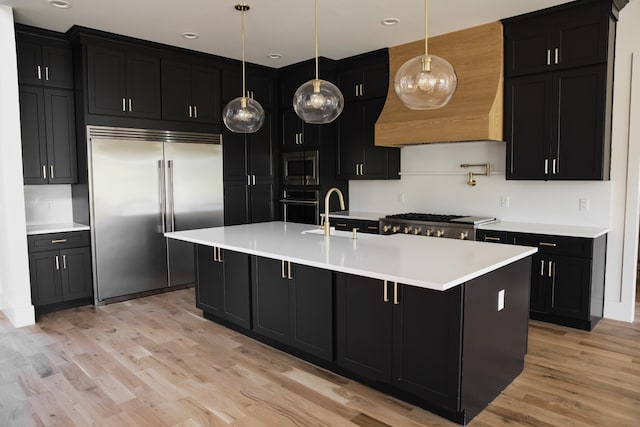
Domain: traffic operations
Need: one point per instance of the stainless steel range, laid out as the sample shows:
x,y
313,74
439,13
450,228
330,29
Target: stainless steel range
x,y
447,226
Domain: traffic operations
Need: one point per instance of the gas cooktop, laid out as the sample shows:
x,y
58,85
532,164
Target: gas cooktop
x,y
436,225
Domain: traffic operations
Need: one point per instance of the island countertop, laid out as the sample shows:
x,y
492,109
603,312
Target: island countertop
x,y
426,262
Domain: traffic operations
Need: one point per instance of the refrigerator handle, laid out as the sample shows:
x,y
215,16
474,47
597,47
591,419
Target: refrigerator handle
x,y
171,200
163,200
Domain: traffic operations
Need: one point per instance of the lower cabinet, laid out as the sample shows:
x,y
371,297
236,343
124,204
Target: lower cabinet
x,y
223,284
362,225
293,304
401,335
60,277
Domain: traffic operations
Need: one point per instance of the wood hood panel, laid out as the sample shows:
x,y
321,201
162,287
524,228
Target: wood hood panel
x,y
475,111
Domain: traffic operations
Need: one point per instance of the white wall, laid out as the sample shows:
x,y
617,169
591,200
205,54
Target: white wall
x,y
48,204
442,188
15,294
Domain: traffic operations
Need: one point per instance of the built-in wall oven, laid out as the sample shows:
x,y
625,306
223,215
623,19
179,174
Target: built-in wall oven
x,y
300,168
300,206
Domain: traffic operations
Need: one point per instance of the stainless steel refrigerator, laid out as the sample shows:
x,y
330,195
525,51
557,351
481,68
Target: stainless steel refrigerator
x,y
141,184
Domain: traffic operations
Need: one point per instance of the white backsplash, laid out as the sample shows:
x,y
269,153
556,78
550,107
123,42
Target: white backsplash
x,y
434,182
48,204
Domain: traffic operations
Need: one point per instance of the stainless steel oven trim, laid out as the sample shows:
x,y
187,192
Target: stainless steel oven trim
x,y
312,179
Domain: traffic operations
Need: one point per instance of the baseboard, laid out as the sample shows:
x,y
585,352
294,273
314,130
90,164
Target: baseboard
x,y
20,316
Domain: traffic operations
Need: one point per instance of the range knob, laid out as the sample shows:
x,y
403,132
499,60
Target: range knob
x,y
439,233
463,235
417,231
386,228
429,231
395,229
407,230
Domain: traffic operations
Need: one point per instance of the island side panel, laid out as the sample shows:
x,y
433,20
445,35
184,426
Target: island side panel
x,y
494,341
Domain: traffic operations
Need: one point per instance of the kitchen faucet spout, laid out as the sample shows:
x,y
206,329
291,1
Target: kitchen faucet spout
x,y
332,190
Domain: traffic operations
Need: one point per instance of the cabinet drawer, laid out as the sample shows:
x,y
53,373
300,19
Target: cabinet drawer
x,y
560,245
492,236
54,241
346,224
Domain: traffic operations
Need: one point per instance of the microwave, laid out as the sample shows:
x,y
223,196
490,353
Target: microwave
x,y
300,168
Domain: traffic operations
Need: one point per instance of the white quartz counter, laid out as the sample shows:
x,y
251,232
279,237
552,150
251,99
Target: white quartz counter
x,y
368,216
550,229
427,262
55,228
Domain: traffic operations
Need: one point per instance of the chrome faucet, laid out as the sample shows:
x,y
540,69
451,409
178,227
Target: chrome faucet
x,y
327,227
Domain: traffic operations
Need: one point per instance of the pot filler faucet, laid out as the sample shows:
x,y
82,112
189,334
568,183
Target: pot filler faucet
x,y
326,207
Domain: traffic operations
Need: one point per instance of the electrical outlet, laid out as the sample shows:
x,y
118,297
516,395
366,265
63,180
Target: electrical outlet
x,y
504,201
584,205
501,300
401,197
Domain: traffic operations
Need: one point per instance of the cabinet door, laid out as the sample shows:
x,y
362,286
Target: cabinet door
x,y
29,53
271,298
57,60
209,281
143,86
528,121
61,136
234,156
260,149
261,87
205,94
176,91
375,158
311,309
582,36
261,201
527,49
351,140
579,137
540,277
76,274
236,291
291,129
350,82
570,285
376,81
46,282
364,327
106,81
427,336
236,203
33,132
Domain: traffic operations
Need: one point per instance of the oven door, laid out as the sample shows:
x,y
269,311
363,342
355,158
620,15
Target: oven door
x,y
300,168
300,206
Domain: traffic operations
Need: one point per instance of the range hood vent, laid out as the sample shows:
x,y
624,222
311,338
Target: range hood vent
x,y
475,111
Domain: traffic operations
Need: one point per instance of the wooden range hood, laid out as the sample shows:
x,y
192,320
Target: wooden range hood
x,y
475,111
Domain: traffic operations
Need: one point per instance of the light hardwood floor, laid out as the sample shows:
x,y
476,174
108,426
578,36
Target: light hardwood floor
x,y
156,362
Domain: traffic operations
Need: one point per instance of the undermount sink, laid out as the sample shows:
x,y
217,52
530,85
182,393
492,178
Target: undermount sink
x,y
336,233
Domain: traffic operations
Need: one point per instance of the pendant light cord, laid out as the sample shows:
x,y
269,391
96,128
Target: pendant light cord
x,y
244,89
316,39
426,40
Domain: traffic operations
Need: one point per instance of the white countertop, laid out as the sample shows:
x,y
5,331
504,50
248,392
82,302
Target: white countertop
x,y
55,228
427,262
368,216
551,229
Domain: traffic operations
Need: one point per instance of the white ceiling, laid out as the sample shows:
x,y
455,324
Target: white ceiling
x,y
346,27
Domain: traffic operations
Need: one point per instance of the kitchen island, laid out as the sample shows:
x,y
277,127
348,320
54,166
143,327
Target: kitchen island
x,y
440,323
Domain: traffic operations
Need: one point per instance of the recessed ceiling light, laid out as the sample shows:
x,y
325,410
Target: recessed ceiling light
x,y
190,36
274,56
60,4
390,21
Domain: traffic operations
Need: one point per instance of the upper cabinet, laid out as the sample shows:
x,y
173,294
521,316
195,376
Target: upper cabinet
x,y
558,92
123,81
190,92
44,61
260,85
364,80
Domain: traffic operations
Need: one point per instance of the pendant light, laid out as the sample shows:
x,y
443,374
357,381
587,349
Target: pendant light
x,y
318,101
425,82
243,114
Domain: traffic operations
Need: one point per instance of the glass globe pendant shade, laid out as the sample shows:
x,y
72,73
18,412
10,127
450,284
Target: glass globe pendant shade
x,y
318,102
243,115
425,82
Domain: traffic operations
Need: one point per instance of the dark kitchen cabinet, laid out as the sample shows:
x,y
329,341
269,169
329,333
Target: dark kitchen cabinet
x,y
559,38
60,270
44,60
260,85
493,236
293,304
557,125
297,133
362,225
364,76
47,123
249,174
359,158
123,80
386,333
223,284
190,92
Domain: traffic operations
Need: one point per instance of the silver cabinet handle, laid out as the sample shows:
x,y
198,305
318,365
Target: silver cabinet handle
x,y
248,179
124,107
357,169
548,56
64,262
542,267
171,197
39,73
551,245
190,111
57,263
282,269
46,73
220,255
553,168
546,166
51,172
44,172
361,169
361,89
289,276
253,179
130,105
215,254
395,293
550,265
301,138
59,241
356,89
195,111
556,54
385,291
491,239
163,199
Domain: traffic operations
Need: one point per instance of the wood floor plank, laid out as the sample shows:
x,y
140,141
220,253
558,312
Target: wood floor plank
x,y
156,362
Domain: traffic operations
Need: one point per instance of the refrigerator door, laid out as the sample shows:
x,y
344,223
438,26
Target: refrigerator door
x,y
127,199
194,200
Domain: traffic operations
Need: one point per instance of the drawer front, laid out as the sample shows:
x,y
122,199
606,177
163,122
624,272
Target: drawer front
x,y
346,224
371,227
560,245
492,236
53,241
